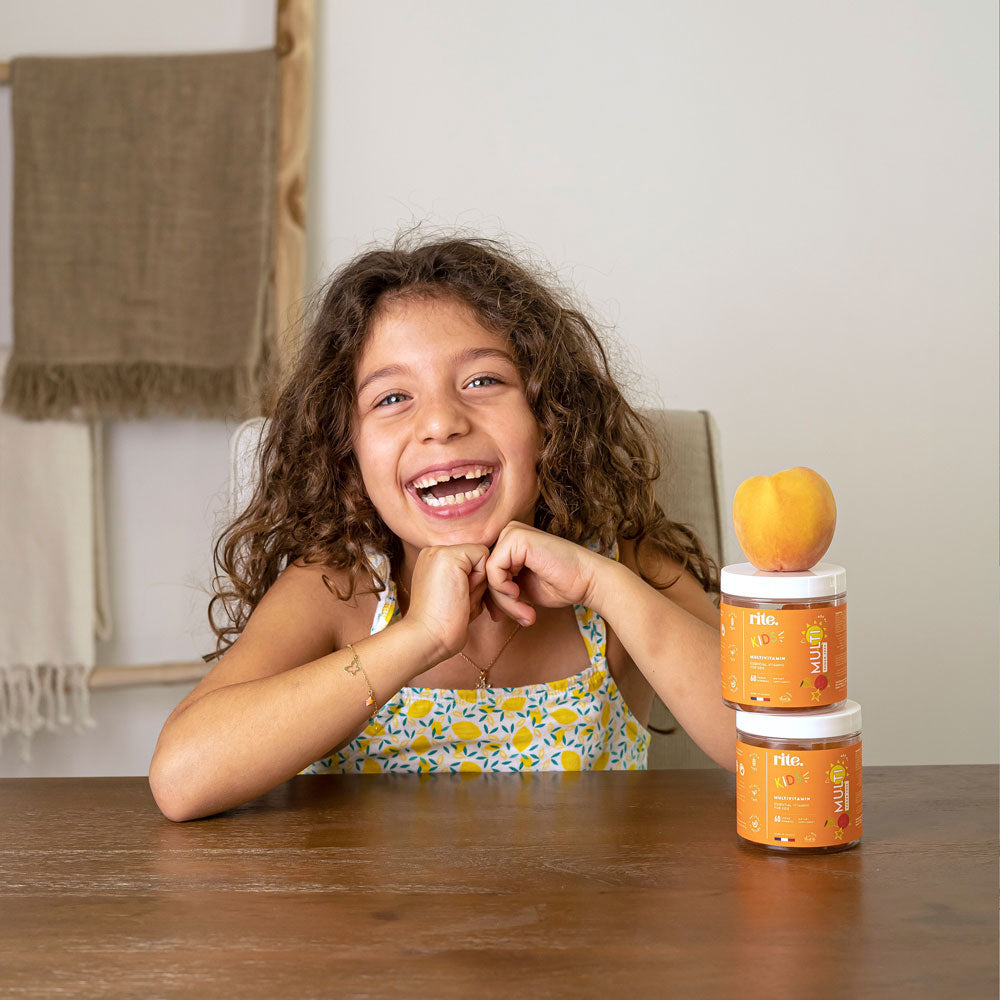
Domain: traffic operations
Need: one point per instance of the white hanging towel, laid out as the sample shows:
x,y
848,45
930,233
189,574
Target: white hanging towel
x,y
54,595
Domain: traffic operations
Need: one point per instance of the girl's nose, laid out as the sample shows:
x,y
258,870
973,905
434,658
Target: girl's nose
x,y
442,417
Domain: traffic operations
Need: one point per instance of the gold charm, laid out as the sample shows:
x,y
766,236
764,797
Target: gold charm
x,y
483,684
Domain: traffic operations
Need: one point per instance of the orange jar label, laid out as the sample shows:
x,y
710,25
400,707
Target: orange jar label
x,y
793,658
798,798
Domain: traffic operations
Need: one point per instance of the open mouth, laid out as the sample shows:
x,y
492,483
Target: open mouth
x,y
455,488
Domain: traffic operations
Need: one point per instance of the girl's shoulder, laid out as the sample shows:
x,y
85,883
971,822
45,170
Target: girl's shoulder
x,y
299,619
327,599
668,577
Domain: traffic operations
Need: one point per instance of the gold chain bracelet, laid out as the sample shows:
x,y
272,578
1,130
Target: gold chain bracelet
x,y
355,667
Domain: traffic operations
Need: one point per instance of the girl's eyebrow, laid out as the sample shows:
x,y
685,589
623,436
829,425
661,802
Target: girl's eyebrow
x,y
472,354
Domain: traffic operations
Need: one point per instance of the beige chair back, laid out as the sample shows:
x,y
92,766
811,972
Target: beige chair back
x,y
690,491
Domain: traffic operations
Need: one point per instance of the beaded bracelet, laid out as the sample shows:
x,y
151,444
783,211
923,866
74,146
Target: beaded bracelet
x,y
354,667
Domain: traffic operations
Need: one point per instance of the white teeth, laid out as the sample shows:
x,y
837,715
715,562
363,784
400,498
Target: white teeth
x,y
454,499
426,481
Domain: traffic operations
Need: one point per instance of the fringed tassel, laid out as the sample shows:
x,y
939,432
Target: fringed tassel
x,y
59,686
36,391
80,692
44,697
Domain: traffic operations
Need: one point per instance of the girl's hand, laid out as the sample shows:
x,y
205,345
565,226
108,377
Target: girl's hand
x,y
528,566
446,593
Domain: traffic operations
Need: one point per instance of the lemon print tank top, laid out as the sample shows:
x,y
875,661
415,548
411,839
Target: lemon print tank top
x,y
576,723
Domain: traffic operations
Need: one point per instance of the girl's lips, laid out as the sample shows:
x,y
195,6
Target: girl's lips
x,y
447,512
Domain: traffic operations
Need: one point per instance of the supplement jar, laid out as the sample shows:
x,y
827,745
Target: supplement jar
x,y
784,638
798,779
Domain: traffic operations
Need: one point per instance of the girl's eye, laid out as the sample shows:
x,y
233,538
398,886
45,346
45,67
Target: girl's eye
x,y
391,398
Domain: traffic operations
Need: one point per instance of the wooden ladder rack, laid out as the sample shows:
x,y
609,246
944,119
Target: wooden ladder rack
x,y
294,47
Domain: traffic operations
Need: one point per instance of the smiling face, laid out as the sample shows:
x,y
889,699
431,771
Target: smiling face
x,y
447,445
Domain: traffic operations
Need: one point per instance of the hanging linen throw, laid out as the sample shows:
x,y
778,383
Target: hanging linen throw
x,y
144,191
54,587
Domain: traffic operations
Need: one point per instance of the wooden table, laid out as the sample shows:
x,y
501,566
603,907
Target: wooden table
x,y
497,885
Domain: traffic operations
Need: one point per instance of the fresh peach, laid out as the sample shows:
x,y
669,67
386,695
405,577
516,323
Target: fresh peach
x,y
785,522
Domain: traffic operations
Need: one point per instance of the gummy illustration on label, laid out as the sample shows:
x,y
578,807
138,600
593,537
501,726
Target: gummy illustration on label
x,y
790,658
798,798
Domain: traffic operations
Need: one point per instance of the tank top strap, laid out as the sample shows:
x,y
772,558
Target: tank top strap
x,y
590,623
387,606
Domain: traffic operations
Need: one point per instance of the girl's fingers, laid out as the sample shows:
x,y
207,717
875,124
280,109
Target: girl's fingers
x,y
477,596
501,568
477,580
477,585
507,560
494,612
504,592
476,556
530,567
438,590
518,610
448,585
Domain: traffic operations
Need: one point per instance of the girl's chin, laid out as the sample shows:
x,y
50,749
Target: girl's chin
x,y
483,529
455,534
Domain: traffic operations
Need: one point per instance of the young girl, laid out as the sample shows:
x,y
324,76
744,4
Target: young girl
x,y
453,559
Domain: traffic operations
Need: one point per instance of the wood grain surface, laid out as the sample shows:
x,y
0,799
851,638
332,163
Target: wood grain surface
x,y
528,885
294,32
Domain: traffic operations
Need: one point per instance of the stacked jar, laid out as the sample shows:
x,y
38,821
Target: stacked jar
x,y
798,737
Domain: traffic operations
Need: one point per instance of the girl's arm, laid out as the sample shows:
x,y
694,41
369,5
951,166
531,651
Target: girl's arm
x,y
264,717
673,638
275,703
677,650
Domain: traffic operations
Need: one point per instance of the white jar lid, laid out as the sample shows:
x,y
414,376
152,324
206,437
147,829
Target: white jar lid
x,y
745,580
839,720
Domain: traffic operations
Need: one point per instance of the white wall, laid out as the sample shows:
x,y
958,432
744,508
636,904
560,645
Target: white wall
x,y
788,210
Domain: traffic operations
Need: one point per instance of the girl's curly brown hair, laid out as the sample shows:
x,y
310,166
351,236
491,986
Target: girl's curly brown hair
x,y
598,462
